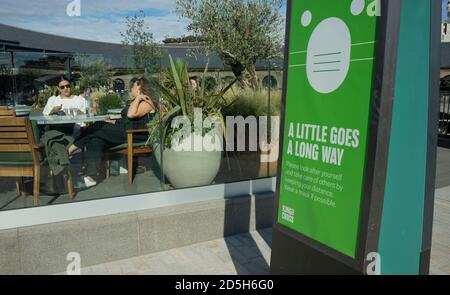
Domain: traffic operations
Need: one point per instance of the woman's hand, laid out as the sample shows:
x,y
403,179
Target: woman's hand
x,y
141,106
143,98
56,109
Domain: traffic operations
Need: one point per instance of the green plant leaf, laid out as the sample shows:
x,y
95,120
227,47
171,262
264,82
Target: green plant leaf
x,y
178,86
224,127
203,86
189,91
167,95
216,98
170,114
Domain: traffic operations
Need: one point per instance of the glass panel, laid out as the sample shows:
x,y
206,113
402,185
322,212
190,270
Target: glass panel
x,y
250,105
102,97
7,86
276,89
193,153
189,162
35,71
98,128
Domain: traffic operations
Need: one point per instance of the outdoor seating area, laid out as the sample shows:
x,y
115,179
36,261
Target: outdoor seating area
x,y
129,168
22,156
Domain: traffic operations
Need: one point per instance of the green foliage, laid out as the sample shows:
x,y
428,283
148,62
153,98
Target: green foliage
x,y
75,91
94,73
96,96
109,101
247,102
239,31
40,99
445,84
210,84
179,98
138,41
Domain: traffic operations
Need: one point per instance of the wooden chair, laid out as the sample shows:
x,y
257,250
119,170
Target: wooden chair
x,y
6,113
19,155
130,150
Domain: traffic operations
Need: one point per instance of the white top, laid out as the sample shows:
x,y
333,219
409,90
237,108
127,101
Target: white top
x,y
77,102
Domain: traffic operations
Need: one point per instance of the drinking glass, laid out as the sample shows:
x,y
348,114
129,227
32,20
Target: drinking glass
x,y
89,112
72,112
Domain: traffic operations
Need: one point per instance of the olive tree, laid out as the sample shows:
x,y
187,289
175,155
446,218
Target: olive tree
x,y
94,71
139,43
239,31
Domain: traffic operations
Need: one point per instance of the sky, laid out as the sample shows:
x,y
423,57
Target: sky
x,y
444,9
100,20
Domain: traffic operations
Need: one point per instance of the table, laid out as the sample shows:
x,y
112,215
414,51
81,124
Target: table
x,y
21,110
59,120
115,111
115,114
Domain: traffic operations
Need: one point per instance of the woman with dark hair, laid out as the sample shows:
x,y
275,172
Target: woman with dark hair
x,y
65,100
136,115
65,104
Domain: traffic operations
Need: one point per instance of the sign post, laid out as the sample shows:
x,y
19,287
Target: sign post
x,y
344,67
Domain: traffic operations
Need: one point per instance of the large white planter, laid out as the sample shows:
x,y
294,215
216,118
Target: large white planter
x,y
189,168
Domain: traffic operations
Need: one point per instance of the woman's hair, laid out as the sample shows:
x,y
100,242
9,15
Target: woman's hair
x,y
148,88
63,78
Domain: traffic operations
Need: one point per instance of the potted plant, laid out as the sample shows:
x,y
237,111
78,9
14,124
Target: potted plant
x,y
107,102
183,164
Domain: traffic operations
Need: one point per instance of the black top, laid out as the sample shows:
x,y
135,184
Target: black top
x,y
134,124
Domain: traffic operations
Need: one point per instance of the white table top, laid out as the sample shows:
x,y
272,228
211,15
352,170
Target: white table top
x,y
59,120
21,110
115,111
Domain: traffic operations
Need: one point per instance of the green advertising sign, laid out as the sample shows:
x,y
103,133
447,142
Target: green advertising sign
x,y
327,114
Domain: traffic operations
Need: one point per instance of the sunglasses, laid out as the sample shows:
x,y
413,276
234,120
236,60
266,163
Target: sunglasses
x,y
64,87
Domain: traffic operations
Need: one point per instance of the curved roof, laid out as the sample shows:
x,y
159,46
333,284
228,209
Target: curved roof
x,y
17,39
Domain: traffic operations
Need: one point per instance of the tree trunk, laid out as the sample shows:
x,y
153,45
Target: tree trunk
x,y
246,76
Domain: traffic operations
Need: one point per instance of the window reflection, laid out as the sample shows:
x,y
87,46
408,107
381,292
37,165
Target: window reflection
x,y
115,153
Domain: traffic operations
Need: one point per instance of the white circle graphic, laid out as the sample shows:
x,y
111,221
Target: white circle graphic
x,y
357,7
306,18
328,58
